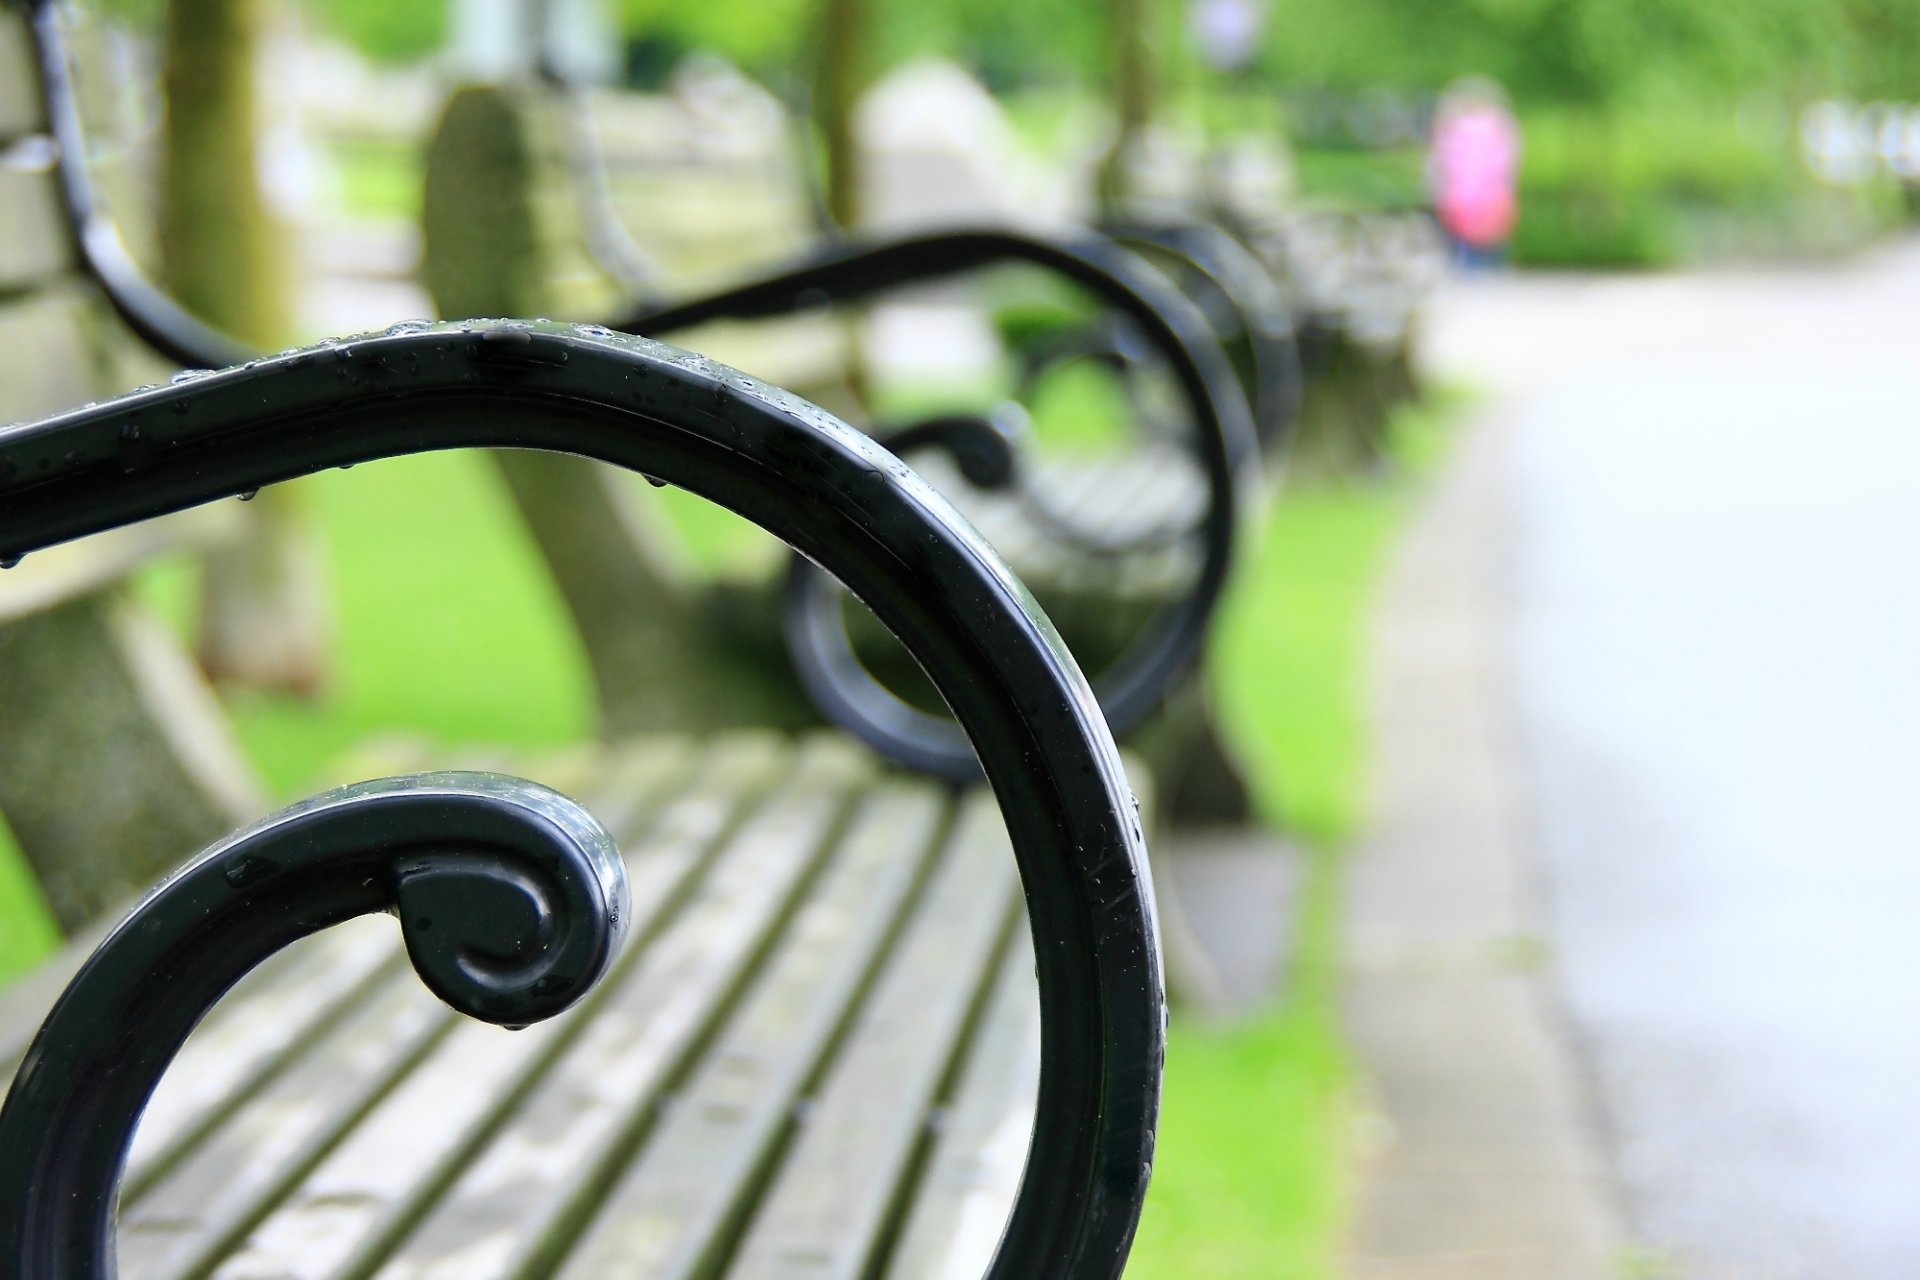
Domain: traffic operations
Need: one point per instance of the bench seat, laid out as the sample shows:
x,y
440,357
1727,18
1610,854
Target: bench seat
x,y
817,1054
1147,503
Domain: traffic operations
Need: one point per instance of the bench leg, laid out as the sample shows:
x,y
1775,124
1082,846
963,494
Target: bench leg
x,y
264,620
115,759
668,653
1197,780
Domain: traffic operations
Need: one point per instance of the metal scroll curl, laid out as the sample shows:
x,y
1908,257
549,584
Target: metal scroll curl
x,y
820,486
512,900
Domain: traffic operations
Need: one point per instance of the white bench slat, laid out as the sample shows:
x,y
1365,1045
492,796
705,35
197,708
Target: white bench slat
x,y
216,1193
258,1029
377,1181
276,1010
961,1210
850,1163
34,249
680,1201
501,1211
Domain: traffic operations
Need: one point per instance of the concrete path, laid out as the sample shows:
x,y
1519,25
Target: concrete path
x,y
1480,1162
1712,612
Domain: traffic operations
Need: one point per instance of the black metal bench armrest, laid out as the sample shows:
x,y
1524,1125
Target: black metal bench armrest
x,y
1246,307
1222,440
833,495
512,900
148,310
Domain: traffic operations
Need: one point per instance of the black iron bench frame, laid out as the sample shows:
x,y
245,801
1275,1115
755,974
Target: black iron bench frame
x,y
829,492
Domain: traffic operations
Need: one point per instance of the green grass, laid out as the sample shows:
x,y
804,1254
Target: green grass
x,y
1250,1177
1250,1182
1288,657
27,930
378,178
448,627
450,630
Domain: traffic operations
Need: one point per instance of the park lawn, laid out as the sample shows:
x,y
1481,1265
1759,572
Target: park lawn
x,y
450,631
1250,1179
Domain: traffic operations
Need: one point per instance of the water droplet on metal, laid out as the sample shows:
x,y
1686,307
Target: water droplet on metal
x,y
593,330
656,481
247,869
7,562
129,431
249,495
189,375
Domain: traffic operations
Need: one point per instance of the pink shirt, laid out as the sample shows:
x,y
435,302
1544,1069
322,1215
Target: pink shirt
x,y
1475,173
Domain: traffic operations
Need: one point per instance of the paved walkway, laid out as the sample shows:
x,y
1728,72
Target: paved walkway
x,y
1705,618
1480,1161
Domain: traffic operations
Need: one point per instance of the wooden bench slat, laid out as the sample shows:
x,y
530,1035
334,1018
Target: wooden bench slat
x,y
572,1128
34,248
84,565
50,348
367,1190
355,1205
19,84
272,1015
830,1207
259,1029
1108,496
679,1202
230,1180
981,1149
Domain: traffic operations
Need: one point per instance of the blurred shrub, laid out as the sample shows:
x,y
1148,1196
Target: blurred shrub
x,y
383,30
1648,186
1358,179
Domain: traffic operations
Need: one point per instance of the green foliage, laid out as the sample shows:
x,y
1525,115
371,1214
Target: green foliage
x,y
1601,51
382,29
1651,186
1350,179
1008,41
772,39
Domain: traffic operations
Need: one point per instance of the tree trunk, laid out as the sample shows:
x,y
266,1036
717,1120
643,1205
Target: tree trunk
x,y
1134,93
842,78
263,617
843,72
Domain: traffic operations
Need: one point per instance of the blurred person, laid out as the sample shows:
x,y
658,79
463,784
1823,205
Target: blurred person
x,y
1473,169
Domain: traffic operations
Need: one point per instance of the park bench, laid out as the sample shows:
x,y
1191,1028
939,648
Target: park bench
x,y
812,1059
1350,284
493,157
818,1053
1129,550
1357,280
